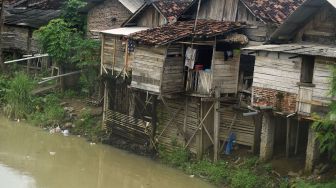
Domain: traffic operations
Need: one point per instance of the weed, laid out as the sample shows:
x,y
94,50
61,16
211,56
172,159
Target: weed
x,y
250,162
214,172
267,167
178,157
18,97
245,178
89,126
48,111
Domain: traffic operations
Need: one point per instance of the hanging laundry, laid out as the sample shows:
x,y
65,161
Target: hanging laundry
x,y
190,57
131,45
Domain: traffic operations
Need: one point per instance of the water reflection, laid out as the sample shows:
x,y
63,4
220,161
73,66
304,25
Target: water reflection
x,y
10,178
55,161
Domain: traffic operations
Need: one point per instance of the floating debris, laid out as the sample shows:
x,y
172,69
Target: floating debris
x,y
52,153
66,133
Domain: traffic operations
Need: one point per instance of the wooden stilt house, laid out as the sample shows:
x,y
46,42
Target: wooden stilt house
x,y
292,79
186,84
199,80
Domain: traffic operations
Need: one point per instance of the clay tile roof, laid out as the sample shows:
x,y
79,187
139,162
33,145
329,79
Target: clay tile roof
x,y
275,11
182,29
172,8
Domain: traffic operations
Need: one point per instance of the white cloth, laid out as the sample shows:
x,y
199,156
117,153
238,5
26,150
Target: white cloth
x,y
190,58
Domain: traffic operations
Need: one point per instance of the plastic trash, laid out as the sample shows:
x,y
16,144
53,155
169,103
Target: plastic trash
x,y
66,133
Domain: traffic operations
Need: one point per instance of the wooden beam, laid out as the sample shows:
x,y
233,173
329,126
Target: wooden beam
x,y
216,125
62,75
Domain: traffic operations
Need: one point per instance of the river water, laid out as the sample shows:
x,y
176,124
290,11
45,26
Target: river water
x,y
32,158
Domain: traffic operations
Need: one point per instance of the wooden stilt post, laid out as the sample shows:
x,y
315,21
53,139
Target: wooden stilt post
x,y
29,50
105,104
297,137
287,137
154,121
216,124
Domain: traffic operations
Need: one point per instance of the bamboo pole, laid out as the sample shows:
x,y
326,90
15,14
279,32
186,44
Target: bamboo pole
x,y
216,124
26,59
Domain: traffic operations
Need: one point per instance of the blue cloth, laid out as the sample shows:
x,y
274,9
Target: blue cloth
x,y
229,143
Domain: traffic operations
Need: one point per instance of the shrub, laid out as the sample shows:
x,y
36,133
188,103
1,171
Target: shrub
x,y
18,97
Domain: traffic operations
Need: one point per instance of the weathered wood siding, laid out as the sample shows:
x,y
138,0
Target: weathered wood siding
x,y
322,77
173,71
219,10
276,71
150,18
114,53
147,68
321,28
242,127
182,125
234,10
225,73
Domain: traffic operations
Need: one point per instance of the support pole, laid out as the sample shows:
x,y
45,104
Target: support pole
x,y
216,124
312,153
297,137
154,121
267,136
29,50
287,137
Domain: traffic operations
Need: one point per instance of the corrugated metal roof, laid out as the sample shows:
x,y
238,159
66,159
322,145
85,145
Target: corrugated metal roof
x,y
294,22
298,48
124,31
132,5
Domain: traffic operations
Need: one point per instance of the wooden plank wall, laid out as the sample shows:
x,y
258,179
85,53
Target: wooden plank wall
x,y
186,123
114,53
322,77
321,28
147,68
150,18
243,127
258,31
277,71
225,73
219,10
173,71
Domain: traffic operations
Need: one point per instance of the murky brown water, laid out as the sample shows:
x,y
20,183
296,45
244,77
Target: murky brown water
x,y
32,158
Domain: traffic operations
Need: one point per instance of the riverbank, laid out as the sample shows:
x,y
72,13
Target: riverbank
x,y
69,113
